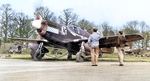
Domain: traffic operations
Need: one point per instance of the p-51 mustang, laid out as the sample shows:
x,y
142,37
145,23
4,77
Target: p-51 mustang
x,y
69,37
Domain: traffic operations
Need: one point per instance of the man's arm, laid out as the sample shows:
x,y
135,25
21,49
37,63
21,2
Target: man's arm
x,y
89,40
100,33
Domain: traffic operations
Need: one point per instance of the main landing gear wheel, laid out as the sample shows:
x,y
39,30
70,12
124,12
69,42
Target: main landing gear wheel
x,y
79,58
38,54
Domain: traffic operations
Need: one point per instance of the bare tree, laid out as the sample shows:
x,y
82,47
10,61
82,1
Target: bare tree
x,y
46,13
23,28
107,30
135,27
0,37
23,25
144,30
116,31
68,17
12,27
131,27
6,18
20,19
86,25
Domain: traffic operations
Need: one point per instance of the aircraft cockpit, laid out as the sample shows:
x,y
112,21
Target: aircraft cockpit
x,y
77,30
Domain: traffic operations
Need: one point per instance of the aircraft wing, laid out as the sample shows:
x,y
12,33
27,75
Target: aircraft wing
x,y
133,37
29,40
112,41
108,41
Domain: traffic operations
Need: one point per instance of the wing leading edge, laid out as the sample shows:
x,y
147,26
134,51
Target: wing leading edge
x,y
29,40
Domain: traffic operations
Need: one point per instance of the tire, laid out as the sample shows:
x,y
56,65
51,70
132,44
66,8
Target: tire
x,y
43,54
79,58
36,56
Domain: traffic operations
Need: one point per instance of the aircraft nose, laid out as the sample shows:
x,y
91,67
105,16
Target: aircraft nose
x,y
36,24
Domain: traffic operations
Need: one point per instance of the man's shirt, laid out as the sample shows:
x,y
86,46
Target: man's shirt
x,y
94,40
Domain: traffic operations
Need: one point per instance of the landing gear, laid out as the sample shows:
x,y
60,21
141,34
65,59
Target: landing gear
x,y
69,56
79,58
38,54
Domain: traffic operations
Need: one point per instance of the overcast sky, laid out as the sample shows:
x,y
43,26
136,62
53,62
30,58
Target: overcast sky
x,y
116,12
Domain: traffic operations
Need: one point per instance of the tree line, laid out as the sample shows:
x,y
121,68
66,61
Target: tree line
x,y
18,25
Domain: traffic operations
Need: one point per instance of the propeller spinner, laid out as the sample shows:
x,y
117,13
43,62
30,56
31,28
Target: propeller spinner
x,y
39,24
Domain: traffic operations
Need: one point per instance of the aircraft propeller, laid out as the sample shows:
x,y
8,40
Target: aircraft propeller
x,y
39,25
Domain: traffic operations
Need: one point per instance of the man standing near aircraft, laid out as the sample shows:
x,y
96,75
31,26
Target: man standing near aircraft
x,y
93,42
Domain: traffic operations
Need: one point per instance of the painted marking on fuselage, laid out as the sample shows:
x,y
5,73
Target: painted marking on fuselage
x,y
54,30
64,30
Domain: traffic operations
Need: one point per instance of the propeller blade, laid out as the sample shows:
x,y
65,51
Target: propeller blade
x,y
38,16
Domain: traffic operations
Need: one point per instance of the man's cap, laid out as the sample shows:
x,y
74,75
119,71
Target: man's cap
x,y
95,29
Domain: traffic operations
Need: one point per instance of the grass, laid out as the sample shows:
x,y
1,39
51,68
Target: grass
x,y
19,56
48,56
106,57
27,56
127,58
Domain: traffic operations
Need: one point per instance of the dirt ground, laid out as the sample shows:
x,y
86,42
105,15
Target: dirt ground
x,y
46,70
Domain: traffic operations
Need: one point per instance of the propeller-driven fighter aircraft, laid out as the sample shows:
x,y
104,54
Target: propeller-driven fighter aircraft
x,y
70,38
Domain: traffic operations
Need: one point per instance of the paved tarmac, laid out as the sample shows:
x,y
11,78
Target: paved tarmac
x,y
47,70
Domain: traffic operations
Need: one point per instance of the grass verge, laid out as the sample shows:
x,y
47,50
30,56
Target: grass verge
x,y
105,58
